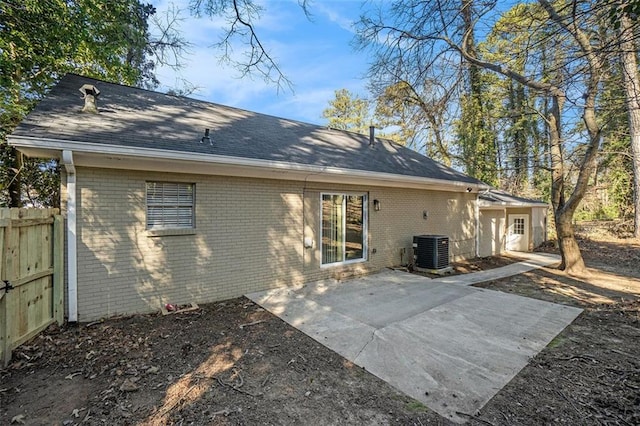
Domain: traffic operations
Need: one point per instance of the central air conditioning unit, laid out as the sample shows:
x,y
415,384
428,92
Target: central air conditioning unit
x,y
431,251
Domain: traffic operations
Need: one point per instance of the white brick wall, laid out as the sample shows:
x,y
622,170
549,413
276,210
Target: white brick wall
x,y
249,236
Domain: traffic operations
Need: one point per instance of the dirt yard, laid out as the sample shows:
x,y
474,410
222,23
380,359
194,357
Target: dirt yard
x,y
590,373
234,363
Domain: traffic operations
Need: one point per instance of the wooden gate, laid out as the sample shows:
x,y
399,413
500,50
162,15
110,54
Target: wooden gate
x,y
31,275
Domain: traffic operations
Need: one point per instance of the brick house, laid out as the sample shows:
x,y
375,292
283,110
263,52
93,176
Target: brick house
x,y
170,199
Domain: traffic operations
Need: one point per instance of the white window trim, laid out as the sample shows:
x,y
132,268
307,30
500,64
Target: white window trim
x,y
170,230
365,229
519,225
166,232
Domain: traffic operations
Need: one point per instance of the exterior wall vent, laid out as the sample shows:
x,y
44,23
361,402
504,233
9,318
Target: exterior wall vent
x,y
431,251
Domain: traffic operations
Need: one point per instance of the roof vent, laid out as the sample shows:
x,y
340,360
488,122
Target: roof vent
x,y
90,94
206,138
372,135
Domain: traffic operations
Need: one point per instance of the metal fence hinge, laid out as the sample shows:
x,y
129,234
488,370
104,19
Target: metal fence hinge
x,y
7,286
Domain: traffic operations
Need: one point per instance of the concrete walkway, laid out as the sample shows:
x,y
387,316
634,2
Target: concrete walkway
x,y
529,262
446,344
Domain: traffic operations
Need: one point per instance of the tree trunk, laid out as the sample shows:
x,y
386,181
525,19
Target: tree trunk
x,y
563,208
572,261
15,180
632,95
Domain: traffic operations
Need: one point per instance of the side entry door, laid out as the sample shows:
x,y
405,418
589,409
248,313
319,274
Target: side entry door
x,y
518,232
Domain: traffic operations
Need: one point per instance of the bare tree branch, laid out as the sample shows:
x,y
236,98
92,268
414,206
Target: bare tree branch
x,y
255,59
166,42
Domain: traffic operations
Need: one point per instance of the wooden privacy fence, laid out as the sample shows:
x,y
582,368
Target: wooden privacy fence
x,y
31,275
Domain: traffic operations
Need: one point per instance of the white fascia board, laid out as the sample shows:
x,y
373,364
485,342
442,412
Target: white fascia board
x,y
488,205
516,205
503,204
116,156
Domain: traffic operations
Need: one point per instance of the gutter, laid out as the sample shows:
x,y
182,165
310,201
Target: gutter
x,y
47,144
503,204
72,250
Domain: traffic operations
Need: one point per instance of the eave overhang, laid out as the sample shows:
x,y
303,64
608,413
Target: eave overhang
x,y
484,205
158,160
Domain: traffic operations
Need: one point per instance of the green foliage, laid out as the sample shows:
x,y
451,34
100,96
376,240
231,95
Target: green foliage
x,y
394,114
415,116
552,132
628,7
557,342
615,167
476,139
616,173
519,109
417,407
601,212
348,112
397,109
621,191
40,41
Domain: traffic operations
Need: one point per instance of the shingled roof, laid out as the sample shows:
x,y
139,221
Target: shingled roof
x,y
136,118
498,198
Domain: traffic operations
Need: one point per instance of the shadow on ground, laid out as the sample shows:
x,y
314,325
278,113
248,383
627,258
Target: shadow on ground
x,y
202,368
590,373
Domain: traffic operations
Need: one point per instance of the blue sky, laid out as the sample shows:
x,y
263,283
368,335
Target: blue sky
x,y
316,55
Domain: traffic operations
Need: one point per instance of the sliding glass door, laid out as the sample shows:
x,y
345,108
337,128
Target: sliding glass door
x,y
344,227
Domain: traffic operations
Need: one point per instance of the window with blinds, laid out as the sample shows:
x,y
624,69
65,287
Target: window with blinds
x,y
170,205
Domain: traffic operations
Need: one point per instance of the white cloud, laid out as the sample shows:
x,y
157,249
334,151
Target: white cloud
x,y
330,10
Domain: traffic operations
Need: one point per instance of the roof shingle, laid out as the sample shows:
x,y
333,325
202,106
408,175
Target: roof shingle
x,y
140,118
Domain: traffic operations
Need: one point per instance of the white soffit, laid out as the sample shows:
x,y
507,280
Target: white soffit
x,y
145,159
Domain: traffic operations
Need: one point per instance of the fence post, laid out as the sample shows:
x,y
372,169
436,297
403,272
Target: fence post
x,y
5,344
5,355
58,269
3,313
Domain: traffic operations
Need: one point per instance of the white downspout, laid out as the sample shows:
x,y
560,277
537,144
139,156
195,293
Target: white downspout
x,y
506,231
72,258
477,208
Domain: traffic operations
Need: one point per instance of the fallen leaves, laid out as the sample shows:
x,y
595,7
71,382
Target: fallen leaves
x,y
249,324
171,308
275,373
129,385
72,375
236,382
153,370
76,412
19,419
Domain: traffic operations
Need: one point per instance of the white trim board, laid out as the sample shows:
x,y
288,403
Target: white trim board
x,y
147,159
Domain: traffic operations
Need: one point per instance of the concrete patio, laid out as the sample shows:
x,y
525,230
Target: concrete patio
x,y
441,341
